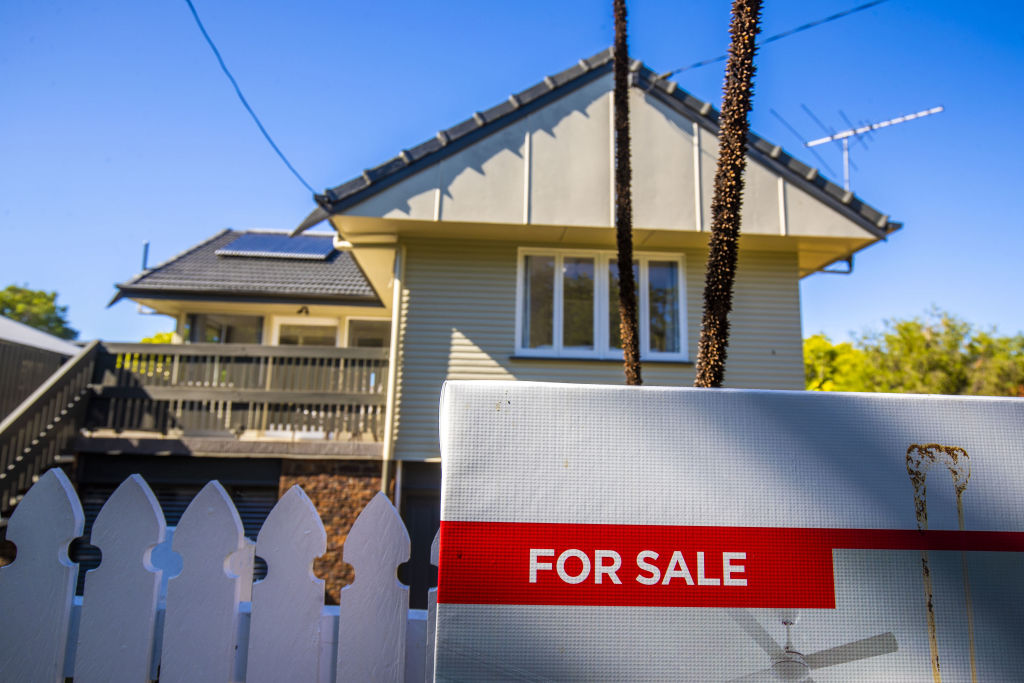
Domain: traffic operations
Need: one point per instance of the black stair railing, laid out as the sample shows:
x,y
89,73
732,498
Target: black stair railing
x,y
40,431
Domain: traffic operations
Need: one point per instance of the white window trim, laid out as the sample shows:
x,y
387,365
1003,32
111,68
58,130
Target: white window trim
x,y
601,350
346,339
281,320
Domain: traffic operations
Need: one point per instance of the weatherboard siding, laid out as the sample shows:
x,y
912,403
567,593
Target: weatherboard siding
x,y
458,322
554,166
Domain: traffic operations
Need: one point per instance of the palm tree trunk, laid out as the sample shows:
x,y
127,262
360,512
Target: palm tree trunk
x,y
628,328
728,194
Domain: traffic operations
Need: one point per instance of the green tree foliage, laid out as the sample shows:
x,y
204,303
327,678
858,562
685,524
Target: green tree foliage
x,y
37,309
159,338
938,353
832,367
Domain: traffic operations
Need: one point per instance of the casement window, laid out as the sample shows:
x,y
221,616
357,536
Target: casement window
x,y
568,305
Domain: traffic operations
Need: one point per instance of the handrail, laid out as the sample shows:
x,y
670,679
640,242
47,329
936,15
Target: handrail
x,y
69,365
33,435
332,393
187,393
249,350
338,393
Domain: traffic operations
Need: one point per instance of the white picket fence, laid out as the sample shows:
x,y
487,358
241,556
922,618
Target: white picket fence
x,y
209,622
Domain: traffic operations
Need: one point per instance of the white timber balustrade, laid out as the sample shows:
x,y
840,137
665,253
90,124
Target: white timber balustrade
x,y
210,623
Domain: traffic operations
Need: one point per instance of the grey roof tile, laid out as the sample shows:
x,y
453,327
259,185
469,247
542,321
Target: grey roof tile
x,y
337,199
201,273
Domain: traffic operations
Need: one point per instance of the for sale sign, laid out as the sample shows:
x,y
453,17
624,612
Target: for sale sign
x,y
614,533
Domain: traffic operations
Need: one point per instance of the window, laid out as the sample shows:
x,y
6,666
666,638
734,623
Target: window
x,y
303,330
223,329
568,305
308,335
363,333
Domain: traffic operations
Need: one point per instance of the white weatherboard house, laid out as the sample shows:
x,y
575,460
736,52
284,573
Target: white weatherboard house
x,y
490,245
484,253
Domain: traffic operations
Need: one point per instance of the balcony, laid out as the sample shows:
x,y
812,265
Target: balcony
x,y
237,400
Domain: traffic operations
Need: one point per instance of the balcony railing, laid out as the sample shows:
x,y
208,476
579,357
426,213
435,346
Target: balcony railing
x,y
241,391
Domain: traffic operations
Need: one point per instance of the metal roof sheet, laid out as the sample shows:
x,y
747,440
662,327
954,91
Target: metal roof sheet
x,y
20,333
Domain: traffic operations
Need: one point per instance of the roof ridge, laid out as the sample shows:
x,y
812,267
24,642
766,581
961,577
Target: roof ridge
x,y
273,231
519,104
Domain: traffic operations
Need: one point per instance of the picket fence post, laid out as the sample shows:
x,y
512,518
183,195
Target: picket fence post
x,y
116,630
374,609
201,623
36,589
135,623
284,632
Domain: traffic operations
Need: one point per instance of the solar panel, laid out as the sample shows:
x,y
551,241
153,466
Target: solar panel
x,y
278,245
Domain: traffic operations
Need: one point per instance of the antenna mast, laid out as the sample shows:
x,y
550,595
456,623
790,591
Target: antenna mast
x,y
852,132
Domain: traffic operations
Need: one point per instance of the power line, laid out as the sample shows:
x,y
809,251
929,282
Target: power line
x,y
245,103
777,36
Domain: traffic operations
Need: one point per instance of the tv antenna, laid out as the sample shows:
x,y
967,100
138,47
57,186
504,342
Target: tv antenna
x,y
845,135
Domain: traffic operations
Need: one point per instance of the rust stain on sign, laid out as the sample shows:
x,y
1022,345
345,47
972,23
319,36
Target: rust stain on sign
x,y
920,458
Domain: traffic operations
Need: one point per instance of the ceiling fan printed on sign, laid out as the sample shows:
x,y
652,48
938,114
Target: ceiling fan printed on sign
x,y
789,664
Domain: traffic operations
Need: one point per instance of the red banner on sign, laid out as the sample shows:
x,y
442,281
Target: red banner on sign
x,y
501,563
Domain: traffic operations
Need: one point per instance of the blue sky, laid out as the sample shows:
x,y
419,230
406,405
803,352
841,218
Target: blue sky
x,y
117,126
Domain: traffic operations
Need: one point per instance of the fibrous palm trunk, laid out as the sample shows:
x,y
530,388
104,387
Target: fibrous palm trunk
x,y
728,194
628,328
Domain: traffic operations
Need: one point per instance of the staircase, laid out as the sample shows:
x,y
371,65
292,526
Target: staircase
x,y
39,433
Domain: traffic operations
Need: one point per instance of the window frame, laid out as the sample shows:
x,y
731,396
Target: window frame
x,y
602,349
347,340
280,321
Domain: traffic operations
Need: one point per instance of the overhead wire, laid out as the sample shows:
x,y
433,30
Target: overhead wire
x,y
777,36
667,74
245,103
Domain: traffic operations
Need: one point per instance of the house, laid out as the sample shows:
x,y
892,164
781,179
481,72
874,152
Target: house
x,y
27,357
486,252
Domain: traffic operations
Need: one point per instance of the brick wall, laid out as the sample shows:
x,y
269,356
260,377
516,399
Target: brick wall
x,y
339,490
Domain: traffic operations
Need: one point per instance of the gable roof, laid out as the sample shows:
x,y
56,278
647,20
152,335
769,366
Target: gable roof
x,y
202,273
482,124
